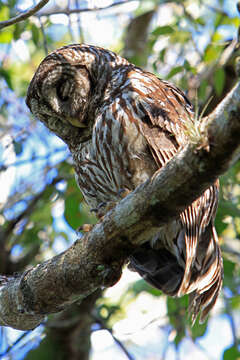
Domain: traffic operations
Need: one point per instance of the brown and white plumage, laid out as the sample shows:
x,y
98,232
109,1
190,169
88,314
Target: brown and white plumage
x,y
122,124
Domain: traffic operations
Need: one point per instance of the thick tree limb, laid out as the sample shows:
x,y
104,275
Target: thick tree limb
x,y
96,259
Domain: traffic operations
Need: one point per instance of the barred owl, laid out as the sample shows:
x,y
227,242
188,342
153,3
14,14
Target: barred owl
x,y
122,124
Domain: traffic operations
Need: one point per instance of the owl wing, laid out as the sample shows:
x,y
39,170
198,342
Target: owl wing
x,y
191,261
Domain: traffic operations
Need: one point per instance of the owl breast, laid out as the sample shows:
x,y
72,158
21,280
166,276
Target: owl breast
x,y
116,157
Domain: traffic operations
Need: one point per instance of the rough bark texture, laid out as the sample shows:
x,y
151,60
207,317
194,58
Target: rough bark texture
x,y
96,259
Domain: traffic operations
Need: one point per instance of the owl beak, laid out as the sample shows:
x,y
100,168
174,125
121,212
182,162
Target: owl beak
x,y
76,122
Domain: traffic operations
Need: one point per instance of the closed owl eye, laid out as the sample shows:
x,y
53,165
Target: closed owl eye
x,y
63,90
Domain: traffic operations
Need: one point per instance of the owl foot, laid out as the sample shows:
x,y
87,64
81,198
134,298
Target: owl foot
x,y
122,193
85,228
103,208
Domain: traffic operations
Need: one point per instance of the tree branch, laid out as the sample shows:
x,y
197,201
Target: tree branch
x,y
96,259
24,15
68,11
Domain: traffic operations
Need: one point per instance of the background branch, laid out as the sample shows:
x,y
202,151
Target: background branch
x,y
68,11
24,15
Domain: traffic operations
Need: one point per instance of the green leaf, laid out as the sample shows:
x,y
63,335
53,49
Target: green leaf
x,y
4,13
180,36
49,348
218,20
18,29
219,80
189,68
212,53
6,36
35,34
76,211
231,354
72,213
178,316
163,30
161,54
202,90
198,330
219,223
229,273
225,208
200,21
235,302
174,71
229,268
7,77
73,200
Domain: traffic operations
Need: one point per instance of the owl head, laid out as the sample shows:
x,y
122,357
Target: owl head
x,y
64,89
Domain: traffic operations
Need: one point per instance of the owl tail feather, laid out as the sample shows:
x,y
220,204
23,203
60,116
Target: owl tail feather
x,y
201,277
205,285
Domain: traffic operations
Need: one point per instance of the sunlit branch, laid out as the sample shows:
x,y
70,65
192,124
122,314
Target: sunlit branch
x,y
23,16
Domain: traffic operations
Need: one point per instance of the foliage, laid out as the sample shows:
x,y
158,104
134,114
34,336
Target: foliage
x,y
41,207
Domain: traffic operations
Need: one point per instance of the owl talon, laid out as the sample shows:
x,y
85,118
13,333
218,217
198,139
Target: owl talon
x,y
122,193
101,205
85,228
103,208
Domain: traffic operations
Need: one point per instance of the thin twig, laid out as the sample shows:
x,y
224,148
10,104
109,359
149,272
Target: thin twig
x,y
43,32
70,27
80,32
68,11
24,15
10,347
120,344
